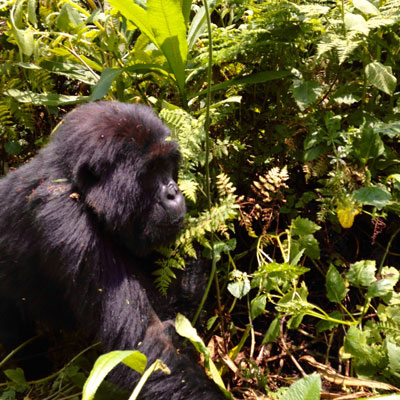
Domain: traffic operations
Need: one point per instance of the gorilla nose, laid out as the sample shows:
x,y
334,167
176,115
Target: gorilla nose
x,y
173,200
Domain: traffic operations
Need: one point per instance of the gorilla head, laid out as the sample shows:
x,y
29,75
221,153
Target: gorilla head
x,y
124,156
77,222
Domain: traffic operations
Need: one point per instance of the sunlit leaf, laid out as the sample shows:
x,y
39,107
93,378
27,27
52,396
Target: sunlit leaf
x,y
335,286
346,212
381,77
307,388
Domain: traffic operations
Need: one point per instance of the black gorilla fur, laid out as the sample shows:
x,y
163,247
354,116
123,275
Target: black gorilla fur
x,y
77,223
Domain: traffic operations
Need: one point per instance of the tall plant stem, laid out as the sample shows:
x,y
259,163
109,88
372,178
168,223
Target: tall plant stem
x,y
208,182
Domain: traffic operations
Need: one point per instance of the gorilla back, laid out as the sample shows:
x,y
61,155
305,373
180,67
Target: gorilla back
x,y
77,223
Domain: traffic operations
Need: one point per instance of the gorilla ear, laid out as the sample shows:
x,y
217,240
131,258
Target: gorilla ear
x,y
85,177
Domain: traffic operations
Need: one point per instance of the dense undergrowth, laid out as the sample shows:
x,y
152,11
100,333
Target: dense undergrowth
x,y
302,214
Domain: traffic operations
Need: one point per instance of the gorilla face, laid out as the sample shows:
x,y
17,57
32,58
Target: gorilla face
x,y
162,204
133,193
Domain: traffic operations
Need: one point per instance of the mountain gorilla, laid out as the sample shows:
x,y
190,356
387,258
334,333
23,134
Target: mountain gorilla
x,y
77,223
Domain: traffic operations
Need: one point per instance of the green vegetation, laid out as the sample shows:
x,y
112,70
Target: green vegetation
x,y
289,123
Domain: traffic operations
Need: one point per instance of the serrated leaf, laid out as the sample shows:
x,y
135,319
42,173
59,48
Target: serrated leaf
x,y
355,342
304,226
381,77
310,245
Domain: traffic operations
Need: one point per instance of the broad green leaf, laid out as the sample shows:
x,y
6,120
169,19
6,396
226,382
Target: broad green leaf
x,y
186,6
390,129
135,14
304,226
258,77
335,286
198,23
239,289
393,352
381,77
368,358
295,321
376,196
71,70
185,329
103,85
356,23
32,12
347,94
314,152
108,76
137,361
390,273
68,18
306,92
380,288
168,26
39,99
16,375
18,13
105,364
365,7
257,306
370,145
296,252
273,331
24,38
307,388
355,342
12,147
310,245
362,273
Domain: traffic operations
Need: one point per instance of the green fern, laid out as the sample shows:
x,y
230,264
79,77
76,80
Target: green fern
x,y
189,132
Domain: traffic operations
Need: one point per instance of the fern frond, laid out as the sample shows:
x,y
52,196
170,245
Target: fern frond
x,y
5,114
189,188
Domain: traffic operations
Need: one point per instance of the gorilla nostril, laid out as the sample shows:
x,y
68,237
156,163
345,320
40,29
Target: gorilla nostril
x,y
172,191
